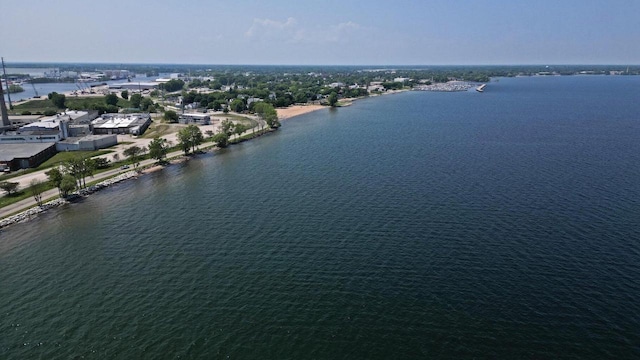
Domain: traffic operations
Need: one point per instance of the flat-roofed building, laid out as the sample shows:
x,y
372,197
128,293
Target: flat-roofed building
x,y
35,136
72,116
87,143
21,120
194,118
25,155
135,124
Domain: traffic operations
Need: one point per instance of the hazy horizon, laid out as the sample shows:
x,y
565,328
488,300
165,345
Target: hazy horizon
x,y
372,33
13,63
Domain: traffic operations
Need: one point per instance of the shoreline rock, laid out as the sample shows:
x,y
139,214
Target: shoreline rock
x,y
29,214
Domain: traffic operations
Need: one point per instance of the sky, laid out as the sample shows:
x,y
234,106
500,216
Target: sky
x,y
327,32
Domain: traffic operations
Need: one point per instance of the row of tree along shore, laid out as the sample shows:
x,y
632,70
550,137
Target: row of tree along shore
x,y
71,175
30,213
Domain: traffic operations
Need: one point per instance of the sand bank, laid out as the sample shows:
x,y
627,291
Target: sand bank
x,y
297,110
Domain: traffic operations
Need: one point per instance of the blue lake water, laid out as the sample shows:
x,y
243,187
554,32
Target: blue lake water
x,y
419,225
44,89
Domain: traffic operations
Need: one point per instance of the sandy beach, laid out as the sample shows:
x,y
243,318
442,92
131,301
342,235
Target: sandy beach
x,y
296,110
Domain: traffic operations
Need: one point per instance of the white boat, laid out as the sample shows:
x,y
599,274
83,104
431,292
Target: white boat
x,y
481,88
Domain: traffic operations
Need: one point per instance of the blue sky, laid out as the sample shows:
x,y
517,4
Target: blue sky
x,y
375,32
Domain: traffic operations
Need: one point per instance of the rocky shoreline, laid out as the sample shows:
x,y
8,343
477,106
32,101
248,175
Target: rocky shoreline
x,y
32,212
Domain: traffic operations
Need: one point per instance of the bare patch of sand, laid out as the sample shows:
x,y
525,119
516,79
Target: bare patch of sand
x,y
297,110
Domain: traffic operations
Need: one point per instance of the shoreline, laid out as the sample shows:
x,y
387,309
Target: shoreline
x,y
32,212
283,114
297,110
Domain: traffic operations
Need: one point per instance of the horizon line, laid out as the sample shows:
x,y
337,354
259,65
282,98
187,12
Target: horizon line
x,y
310,65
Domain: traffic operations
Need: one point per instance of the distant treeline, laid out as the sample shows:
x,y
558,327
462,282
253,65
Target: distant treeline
x,y
489,70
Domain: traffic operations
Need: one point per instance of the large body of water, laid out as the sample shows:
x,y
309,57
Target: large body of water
x,y
419,225
45,88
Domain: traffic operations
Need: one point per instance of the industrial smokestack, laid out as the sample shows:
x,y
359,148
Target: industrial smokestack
x,y
3,107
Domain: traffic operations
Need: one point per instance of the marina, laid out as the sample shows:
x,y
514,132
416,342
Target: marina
x,y
450,86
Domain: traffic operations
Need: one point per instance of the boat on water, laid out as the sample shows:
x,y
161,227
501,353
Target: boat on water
x,y
481,88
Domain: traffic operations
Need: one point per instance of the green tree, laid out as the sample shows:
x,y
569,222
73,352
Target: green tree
x,y
237,105
267,113
72,167
111,99
238,129
15,89
36,188
136,99
158,148
146,105
172,85
189,138
80,168
125,94
55,178
171,116
57,99
67,185
215,105
9,187
221,139
333,99
227,127
101,163
133,153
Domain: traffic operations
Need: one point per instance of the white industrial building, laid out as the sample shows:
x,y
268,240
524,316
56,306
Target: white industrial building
x,y
135,124
87,143
194,118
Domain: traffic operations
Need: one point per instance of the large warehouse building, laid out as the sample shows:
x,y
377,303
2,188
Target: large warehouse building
x,y
25,155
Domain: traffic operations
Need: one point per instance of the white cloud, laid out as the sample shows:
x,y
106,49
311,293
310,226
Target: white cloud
x,y
341,32
290,31
268,26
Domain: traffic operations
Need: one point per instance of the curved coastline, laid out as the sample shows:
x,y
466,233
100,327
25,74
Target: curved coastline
x,y
32,212
283,114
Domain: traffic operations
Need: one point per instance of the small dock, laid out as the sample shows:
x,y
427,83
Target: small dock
x,y
481,88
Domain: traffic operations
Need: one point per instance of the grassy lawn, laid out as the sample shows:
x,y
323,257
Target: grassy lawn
x,y
21,195
34,106
159,129
72,102
66,155
229,116
55,160
236,118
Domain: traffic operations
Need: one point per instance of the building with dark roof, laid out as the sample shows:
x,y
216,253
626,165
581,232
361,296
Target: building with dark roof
x,y
26,155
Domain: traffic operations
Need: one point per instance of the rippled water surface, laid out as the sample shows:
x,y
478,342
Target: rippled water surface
x,y
421,225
